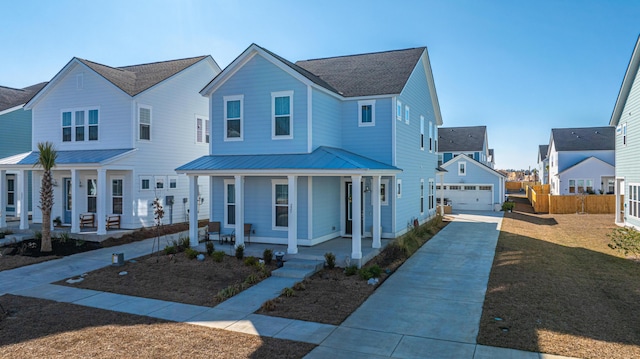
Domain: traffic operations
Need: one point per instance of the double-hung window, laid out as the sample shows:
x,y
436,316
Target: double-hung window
x,y
432,191
144,122
93,125
77,123
399,110
230,203
624,134
79,126
66,126
202,129
116,195
406,114
280,204
430,136
421,196
422,132
634,207
11,191
462,168
282,115
366,113
399,188
233,118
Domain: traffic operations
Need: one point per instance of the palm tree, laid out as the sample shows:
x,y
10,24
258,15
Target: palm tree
x,y
47,160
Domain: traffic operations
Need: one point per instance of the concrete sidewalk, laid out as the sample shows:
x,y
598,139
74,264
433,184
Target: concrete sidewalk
x,y
429,308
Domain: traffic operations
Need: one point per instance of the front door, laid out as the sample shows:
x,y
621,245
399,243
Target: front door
x,y
349,208
67,200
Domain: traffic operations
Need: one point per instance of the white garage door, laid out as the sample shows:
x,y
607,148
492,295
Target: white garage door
x,y
469,197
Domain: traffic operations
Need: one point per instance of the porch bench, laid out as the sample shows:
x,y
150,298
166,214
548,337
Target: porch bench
x,y
113,221
87,220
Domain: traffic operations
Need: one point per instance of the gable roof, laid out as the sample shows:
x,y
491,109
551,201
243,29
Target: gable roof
x,y
10,97
133,79
625,87
473,161
453,139
322,159
585,161
583,139
542,152
379,73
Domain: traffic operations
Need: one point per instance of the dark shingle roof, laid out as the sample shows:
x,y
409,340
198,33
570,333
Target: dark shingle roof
x,y
542,152
10,97
451,139
584,139
137,78
379,73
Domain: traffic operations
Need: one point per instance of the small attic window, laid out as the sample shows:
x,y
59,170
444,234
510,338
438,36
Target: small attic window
x,y
80,81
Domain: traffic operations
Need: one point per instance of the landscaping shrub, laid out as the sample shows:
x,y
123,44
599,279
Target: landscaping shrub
x,y
625,240
269,305
240,251
367,273
299,286
252,278
250,261
191,253
330,258
170,250
218,256
267,256
288,292
210,247
508,206
183,242
351,270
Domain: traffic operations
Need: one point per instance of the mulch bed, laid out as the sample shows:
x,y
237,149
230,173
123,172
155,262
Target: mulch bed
x,y
37,328
173,278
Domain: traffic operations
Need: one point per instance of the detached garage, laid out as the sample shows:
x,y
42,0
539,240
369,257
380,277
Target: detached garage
x,y
470,185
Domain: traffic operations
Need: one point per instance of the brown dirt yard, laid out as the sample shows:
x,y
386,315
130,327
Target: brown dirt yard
x,y
36,328
557,288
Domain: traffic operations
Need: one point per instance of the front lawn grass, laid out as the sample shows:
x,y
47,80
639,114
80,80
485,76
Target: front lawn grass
x,y
556,287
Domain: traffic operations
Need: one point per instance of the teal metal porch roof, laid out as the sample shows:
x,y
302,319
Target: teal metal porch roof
x,y
67,157
322,159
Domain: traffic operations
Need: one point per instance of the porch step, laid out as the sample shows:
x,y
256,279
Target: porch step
x,y
298,268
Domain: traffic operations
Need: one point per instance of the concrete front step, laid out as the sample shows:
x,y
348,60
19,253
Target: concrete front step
x,y
15,238
298,268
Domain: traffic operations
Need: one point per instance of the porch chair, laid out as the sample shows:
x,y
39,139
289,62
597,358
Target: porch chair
x,y
213,229
247,232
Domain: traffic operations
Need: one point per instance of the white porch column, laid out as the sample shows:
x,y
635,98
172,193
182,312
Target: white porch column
x,y
239,189
23,206
293,214
75,191
211,203
375,202
3,198
102,200
356,220
193,211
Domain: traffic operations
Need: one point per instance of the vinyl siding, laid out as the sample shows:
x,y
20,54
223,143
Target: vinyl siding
x,y
15,133
370,141
256,80
415,163
327,120
567,159
326,206
627,164
475,176
588,170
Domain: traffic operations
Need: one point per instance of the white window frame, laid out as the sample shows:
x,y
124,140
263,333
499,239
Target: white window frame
x,y
274,183
226,99
173,182
11,191
147,178
422,196
399,110
140,124
203,129
462,168
624,134
633,205
160,180
384,187
273,115
407,114
363,103
227,183
85,123
431,131
422,132
432,193
399,188
119,178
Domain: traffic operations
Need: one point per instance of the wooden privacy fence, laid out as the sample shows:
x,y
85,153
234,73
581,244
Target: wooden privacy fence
x,y
543,202
513,186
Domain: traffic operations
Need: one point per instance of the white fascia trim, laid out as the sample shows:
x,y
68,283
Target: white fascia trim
x,y
177,74
14,108
476,163
393,130
432,87
309,118
627,82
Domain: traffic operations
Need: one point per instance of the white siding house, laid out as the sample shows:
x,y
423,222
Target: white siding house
x,y
119,134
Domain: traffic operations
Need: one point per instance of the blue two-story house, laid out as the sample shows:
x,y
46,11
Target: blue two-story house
x,y
318,149
15,137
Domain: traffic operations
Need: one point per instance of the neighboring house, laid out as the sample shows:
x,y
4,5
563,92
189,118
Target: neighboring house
x,y
491,159
470,182
119,133
626,121
543,163
581,160
311,151
15,138
470,141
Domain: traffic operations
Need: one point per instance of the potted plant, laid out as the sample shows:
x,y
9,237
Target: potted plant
x,y
57,221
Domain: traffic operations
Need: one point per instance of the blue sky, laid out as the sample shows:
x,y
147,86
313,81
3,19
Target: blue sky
x,y
519,67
